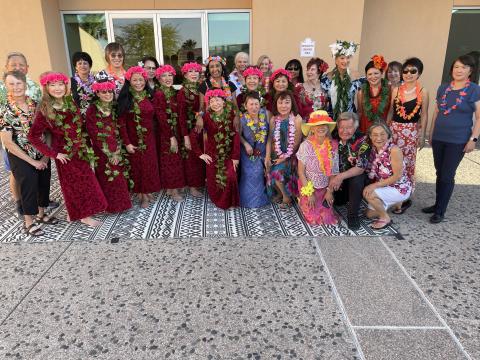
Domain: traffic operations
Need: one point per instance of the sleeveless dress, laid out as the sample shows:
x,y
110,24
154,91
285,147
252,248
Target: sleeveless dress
x,y
252,174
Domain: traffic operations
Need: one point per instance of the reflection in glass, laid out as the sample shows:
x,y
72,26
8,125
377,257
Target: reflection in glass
x,y
462,39
182,42
137,38
87,33
228,33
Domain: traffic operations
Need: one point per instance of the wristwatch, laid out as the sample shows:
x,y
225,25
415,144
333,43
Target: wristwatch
x,y
474,139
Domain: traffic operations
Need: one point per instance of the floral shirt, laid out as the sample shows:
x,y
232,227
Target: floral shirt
x,y
317,95
380,167
330,88
18,122
34,91
313,171
355,152
237,79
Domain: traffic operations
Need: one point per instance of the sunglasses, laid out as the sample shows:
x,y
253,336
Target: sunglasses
x,y
105,92
411,71
293,68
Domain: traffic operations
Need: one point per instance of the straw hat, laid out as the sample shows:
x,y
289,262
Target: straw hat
x,y
319,117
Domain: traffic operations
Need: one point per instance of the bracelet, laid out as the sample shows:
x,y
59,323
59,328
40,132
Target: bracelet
x,y
307,190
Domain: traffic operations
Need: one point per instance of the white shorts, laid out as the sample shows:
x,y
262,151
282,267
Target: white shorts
x,y
390,196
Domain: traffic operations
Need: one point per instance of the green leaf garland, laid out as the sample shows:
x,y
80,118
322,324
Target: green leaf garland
x,y
367,105
141,131
224,139
343,92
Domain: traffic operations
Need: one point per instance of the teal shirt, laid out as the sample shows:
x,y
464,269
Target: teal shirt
x,y
33,91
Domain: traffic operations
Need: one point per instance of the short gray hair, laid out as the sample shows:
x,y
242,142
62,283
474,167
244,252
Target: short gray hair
x,y
241,53
348,115
382,125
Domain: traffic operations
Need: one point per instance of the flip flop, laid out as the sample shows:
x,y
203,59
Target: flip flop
x,y
379,222
403,208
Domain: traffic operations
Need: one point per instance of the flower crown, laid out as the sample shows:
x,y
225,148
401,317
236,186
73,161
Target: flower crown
x,y
342,47
379,62
52,77
103,86
135,70
214,93
252,71
191,66
165,69
279,72
215,58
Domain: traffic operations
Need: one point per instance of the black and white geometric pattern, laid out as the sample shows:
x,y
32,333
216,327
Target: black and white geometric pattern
x,y
194,217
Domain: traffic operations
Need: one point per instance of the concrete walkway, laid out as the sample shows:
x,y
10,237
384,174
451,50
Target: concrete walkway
x,y
263,298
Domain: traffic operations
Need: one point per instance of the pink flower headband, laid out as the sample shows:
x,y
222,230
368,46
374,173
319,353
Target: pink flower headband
x,y
103,86
164,69
135,70
214,93
191,66
252,71
53,77
279,72
215,58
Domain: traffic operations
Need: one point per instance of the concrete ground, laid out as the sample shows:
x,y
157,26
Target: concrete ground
x,y
256,298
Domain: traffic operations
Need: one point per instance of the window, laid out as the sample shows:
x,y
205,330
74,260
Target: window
x,y
463,38
87,33
228,33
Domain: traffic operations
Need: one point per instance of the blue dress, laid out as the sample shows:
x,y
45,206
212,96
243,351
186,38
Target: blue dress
x,y
252,176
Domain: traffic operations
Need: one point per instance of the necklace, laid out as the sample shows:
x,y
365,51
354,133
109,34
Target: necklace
x,y
291,137
324,155
410,91
463,92
367,104
137,117
400,100
223,140
343,92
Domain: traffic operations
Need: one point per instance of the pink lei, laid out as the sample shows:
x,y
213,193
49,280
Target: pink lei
x,y
291,137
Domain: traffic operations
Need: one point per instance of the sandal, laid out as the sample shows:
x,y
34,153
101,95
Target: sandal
x,y
285,205
405,205
33,230
45,219
382,222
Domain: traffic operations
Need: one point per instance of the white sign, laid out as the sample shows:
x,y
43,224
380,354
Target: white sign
x,y
307,48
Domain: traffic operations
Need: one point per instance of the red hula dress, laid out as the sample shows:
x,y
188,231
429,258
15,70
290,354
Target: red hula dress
x,y
228,196
81,191
116,190
143,163
304,106
193,166
365,122
170,164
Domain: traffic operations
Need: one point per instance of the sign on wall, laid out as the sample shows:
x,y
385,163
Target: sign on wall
x,y
307,48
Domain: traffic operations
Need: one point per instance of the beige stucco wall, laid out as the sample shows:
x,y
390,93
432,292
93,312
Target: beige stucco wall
x,y
37,34
153,4
406,28
278,27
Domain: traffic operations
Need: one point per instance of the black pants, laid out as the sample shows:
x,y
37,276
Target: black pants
x,y
446,158
34,185
351,192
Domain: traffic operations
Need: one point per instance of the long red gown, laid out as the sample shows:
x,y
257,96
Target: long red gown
x,y
143,163
193,166
81,191
228,196
115,191
170,164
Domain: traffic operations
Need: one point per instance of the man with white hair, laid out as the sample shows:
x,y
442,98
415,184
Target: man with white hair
x,y
241,62
353,151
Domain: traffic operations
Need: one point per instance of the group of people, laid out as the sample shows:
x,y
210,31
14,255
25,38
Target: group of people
x,y
251,137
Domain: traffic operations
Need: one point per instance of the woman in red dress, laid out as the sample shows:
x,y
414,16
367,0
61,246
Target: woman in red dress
x,y
60,117
222,150
101,122
188,99
136,129
172,134
373,98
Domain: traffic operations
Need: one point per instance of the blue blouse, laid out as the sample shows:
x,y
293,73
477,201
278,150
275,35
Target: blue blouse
x,y
456,127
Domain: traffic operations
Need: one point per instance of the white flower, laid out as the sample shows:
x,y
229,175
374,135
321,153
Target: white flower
x,y
140,63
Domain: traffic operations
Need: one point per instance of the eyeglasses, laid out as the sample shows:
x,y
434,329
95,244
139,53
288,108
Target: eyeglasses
x,y
105,92
411,71
116,55
293,68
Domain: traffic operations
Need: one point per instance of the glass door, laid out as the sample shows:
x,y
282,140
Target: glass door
x,y
137,33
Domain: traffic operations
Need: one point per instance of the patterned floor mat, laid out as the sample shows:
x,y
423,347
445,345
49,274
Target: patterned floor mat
x,y
194,217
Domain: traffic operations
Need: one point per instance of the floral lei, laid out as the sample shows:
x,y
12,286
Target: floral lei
x,y
291,137
138,97
400,100
324,155
223,138
224,86
85,86
367,105
377,158
458,100
259,131
104,132
79,143
343,89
